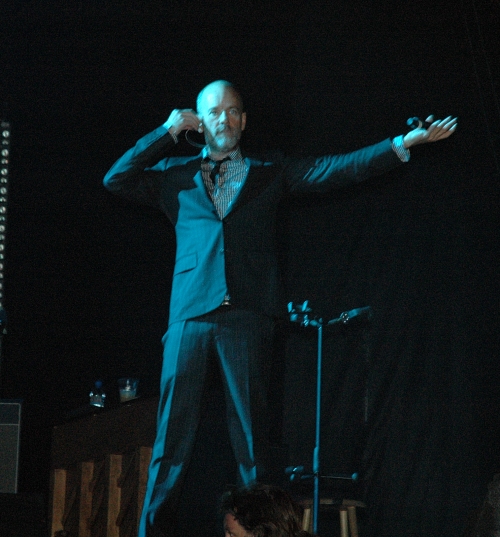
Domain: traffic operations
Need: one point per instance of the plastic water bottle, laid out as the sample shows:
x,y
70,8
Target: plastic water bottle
x,y
97,395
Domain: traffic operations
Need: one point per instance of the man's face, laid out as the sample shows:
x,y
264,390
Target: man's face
x,y
222,117
232,528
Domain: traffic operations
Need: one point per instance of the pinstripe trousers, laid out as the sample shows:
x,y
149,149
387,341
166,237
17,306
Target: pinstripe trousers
x,y
241,342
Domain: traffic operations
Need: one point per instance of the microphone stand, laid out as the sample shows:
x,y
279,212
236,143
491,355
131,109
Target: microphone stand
x,y
301,314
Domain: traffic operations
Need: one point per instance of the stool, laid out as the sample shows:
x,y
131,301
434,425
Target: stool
x,y
347,514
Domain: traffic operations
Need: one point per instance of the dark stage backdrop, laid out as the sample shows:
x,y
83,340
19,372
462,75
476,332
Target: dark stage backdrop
x,y
411,400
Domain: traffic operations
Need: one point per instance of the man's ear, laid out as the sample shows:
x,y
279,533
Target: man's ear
x,y
243,120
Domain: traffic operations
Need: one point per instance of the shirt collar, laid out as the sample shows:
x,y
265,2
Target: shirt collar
x,y
234,155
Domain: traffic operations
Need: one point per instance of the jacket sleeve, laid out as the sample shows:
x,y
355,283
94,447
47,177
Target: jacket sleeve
x,y
331,171
137,174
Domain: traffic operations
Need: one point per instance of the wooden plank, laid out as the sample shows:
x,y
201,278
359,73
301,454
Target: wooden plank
x,y
58,496
145,453
87,475
114,494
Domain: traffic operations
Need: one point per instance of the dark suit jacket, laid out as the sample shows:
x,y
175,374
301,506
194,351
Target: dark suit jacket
x,y
236,255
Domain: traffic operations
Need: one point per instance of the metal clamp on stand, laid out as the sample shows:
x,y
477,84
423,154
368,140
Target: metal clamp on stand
x,y
302,313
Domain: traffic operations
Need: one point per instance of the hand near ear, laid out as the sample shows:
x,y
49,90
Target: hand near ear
x,y
182,120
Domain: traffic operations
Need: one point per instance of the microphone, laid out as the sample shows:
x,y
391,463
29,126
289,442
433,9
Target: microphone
x,y
298,473
361,314
417,123
300,314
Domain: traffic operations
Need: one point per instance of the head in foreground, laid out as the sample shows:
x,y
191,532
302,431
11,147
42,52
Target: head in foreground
x,y
261,511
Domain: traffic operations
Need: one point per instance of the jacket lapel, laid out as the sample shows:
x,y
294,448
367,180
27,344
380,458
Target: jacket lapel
x,y
259,175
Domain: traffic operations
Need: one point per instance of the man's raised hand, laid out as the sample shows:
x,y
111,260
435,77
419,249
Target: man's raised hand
x,y
437,130
182,120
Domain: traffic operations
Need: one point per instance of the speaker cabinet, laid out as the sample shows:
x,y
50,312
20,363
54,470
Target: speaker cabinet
x,y
23,515
10,433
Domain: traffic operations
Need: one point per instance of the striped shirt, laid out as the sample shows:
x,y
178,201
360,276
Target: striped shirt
x,y
231,176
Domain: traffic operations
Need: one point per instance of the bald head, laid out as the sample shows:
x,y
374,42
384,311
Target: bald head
x,y
218,86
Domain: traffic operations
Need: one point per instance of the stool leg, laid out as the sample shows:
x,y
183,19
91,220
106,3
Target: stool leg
x,y
344,530
353,521
307,519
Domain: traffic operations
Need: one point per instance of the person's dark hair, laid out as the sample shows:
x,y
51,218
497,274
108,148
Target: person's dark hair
x,y
265,511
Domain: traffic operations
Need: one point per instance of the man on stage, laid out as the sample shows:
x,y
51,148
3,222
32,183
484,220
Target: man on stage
x,y
226,291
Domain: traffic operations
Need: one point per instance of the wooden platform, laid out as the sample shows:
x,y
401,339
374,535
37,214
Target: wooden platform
x,y
99,470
